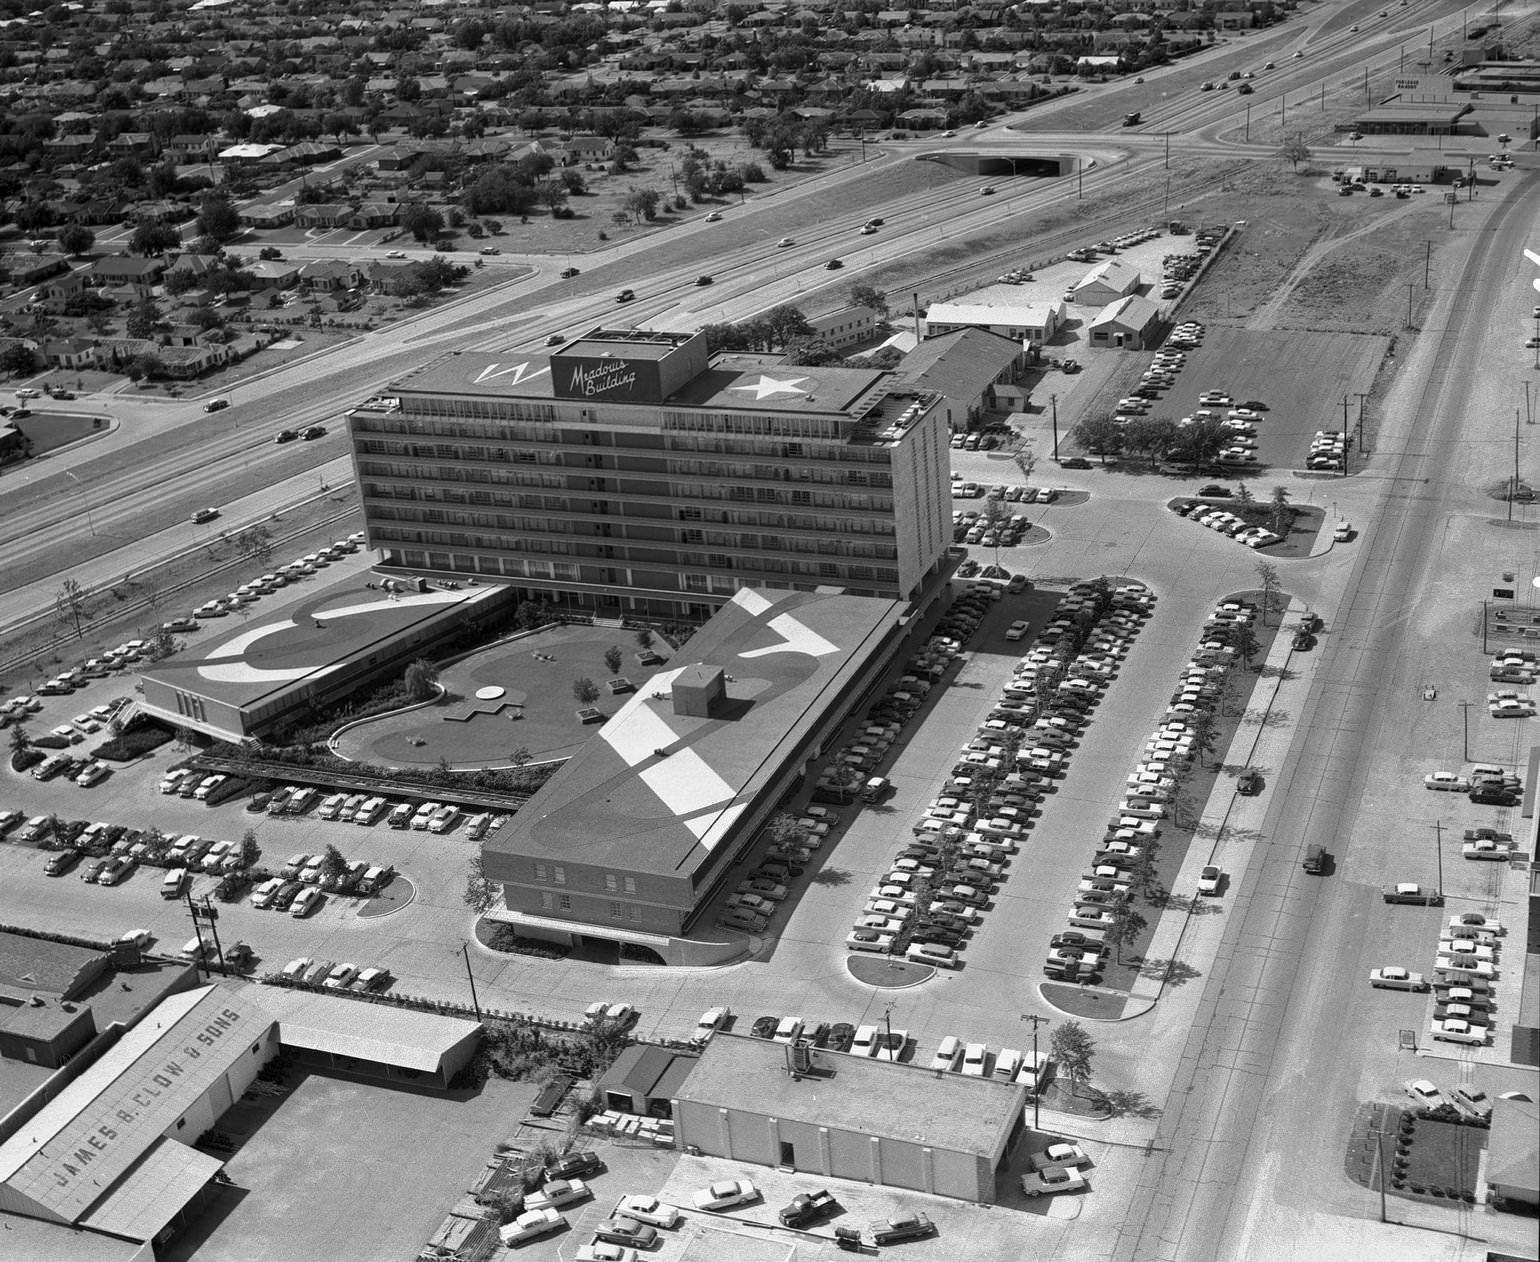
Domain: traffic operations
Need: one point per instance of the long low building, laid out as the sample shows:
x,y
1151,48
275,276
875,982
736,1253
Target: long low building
x,y
832,1114
282,665
637,832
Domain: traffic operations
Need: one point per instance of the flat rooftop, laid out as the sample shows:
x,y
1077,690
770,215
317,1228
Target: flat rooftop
x,y
731,382
314,633
657,791
854,1093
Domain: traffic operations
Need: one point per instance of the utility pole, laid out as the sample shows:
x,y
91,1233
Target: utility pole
x,y
1438,853
1427,263
1248,123
212,916
192,910
887,1017
1360,397
1167,163
1513,494
1409,304
1053,403
1465,717
475,1003
1036,1063
1379,1139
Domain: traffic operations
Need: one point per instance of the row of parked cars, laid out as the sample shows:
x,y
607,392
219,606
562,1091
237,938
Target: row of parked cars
x,y
1151,787
78,676
301,567
1465,971
1225,522
1485,783
332,976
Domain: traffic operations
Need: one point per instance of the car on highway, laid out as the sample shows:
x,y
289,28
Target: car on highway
x,y
395,254
784,242
216,405
714,217
285,436
625,295
833,265
311,432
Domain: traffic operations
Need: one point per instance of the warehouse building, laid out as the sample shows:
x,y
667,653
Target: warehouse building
x,y
630,472
639,830
831,1114
974,372
1030,323
109,1155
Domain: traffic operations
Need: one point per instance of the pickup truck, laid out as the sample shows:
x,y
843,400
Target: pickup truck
x,y
1393,978
807,1208
1414,894
906,1227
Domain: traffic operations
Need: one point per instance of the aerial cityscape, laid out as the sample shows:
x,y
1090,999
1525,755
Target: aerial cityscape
x,y
751,632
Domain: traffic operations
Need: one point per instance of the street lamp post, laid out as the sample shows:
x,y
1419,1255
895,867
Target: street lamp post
x,y
1465,723
1438,853
1379,1141
84,499
471,977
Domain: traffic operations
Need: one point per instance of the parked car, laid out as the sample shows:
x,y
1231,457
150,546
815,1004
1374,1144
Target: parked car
x,y
725,1194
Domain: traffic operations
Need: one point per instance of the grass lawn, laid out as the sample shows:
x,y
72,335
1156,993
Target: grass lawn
x,y
1440,1159
47,431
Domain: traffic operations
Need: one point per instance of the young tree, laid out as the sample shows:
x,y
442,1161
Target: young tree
x,y
613,658
1268,573
421,680
1025,460
481,895
1245,645
997,514
255,542
521,757
585,690
644,639
20,739
1278,509
250,850
784,829
70,603
1072,1048
1126,926
333,864
1204,734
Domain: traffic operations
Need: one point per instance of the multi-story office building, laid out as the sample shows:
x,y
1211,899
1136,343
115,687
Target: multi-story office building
x,y
630,472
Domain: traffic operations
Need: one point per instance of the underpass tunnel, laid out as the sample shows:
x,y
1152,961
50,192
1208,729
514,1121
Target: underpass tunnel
x,y
1001,164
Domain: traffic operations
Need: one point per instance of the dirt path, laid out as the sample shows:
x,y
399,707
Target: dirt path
x,y
1266,316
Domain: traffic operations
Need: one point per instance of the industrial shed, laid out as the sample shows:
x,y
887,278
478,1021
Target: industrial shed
x,y
1108,281
743,1101
378,1040
1131,324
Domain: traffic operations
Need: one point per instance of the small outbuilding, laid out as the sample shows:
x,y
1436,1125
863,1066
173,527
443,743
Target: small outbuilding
x,y
1130,324
1108,281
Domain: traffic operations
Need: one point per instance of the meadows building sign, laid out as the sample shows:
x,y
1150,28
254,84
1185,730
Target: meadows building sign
x,y
606,378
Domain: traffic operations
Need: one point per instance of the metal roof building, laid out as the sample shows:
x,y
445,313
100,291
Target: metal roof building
x,y
111,1152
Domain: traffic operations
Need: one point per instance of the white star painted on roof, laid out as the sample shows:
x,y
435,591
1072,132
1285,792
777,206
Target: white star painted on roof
x,y
767,387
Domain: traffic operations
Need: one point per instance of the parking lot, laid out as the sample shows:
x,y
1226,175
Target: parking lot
x,y
1302,377
341,1193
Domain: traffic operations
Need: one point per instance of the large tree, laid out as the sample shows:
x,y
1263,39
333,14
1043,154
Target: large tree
x,y
422,221
1073,1049
76,239
154,238
218,218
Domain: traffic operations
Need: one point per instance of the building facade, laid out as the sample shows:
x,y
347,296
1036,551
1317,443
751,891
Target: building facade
x,y
630,472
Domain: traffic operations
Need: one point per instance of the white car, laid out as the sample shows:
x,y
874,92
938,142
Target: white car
x,y
1017,630
787,1030
865,1042
556,1193
1210,879
1068,1155
1446,781
712,1020
974,1057
869,940
947,1054
650,1210
531,1224
725,1194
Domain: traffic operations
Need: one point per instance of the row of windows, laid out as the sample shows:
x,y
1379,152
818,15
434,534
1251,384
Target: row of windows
x,y
563,902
